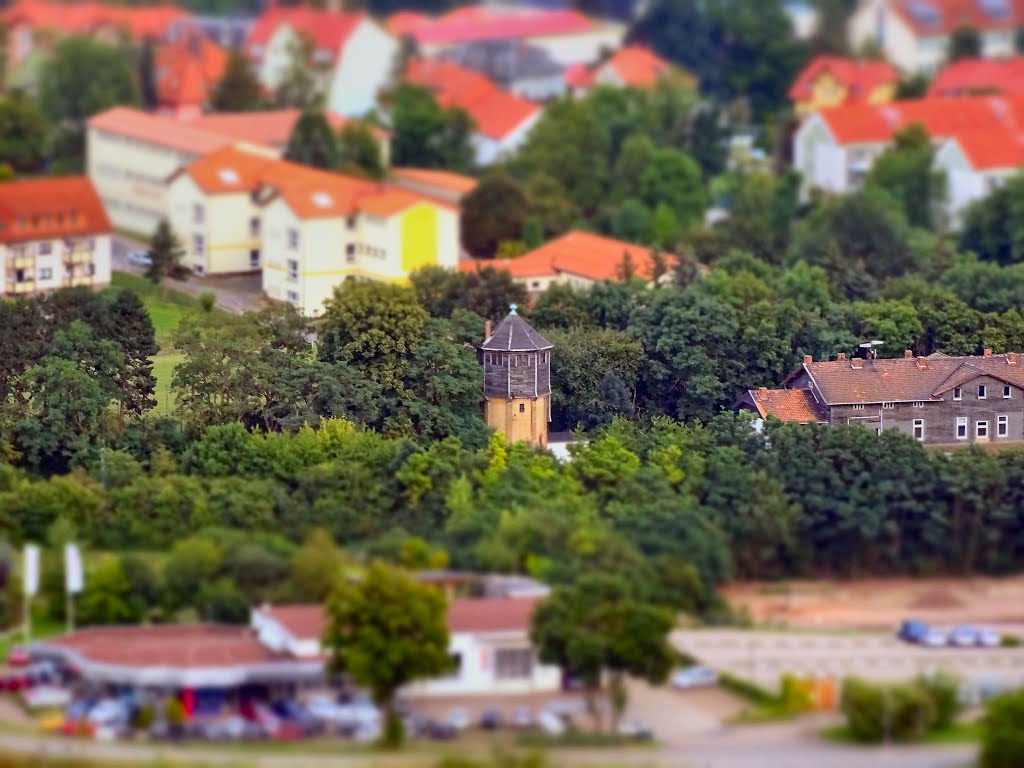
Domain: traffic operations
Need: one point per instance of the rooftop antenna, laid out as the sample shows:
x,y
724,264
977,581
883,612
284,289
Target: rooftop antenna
x,y
870,347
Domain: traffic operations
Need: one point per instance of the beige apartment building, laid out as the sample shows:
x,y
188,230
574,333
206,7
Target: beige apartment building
x,y
54,234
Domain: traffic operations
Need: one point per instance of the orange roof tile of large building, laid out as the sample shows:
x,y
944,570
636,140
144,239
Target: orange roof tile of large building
x,y
403,23
140,22
187,71
327,29
942,118
309,192
483,23
583,254
965,77
860,77
453,182
796,405
992,149
162,131
496,113
638,66
33,209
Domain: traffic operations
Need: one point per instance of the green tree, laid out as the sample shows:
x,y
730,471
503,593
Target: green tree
x,y
165,253
22,133
596,627
993,227
549,206
147,76
312,142
359,151
425,135
238,89
128,324
191,564
964,43
107,598
495,211
906,170
385,631
1002,741
299,87
316,567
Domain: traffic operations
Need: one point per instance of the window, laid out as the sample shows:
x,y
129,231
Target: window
x,y
535,285
293,297
858,406
522,407
254,226
197,214
293,269
919,429
351,222
45,249
254,258
1007,391
981,429
293,239
1002,426
918,404
958,394
350,253
456,668
889,406
961,427
197,244
90,269
982,392
45,273
513,663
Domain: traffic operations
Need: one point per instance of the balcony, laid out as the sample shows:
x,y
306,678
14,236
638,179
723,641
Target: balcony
x,y
79,282
21,262
15,288
78,257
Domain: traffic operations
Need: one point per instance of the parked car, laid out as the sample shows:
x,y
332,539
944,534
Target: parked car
x,y
139,259
523,718
920,633
634,729
550,723
46,697
963,636
18,657
441,731
491,720
354,712
459,719
294,713
694,677
108,712
988,638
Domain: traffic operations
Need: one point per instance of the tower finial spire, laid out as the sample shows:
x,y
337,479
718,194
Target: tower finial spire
x,y
512,308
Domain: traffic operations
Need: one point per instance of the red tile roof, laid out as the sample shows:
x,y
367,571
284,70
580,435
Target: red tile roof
x,y
404,22
33,209
495,112
906,378
578,253
929,18
480,23
309,192
471,614
638,66
271,128
188,70
796,405
162,131
860,77
579,76
445,180
986,150
328,29
180,646
977,76
942,118
140,22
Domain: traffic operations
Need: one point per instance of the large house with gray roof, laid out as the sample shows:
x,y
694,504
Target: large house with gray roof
x,y
938,399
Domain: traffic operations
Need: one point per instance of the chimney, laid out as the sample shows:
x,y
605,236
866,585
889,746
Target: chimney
x,y
856,363
487,330
808,359
988,353
908,354
841,357
1011,358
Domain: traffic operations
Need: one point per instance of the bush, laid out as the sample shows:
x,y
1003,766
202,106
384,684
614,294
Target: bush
x,y
174,713
207,301
746,689
901,712
144,717
1002,740
1009,641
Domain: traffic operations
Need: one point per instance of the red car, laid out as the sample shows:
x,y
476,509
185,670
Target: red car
x,y
18,657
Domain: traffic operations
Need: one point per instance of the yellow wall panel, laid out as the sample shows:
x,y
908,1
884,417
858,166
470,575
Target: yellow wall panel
x,y
419,237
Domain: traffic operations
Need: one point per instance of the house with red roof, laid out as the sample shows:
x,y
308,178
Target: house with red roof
x,y
914,34
186,72
570,37
634,66
977,162
353,56
32,25
835,148
976,77
54,234
832,81
502,120
579,259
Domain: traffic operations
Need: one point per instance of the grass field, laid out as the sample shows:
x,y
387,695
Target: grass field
x,y
964,732
166,309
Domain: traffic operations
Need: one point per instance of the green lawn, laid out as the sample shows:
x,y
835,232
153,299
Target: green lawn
x,y
965,732
42,627
166,308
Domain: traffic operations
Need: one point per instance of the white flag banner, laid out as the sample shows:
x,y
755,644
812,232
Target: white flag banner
x,y
30,576
73,578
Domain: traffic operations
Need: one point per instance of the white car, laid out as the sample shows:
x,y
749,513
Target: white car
x,y
988,638
108,712
523,718
140,259
694,677
47,697
327,710
458,719
934,639
551,723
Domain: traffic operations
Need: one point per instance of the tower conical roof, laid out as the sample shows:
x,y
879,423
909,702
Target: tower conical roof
x,y
514,334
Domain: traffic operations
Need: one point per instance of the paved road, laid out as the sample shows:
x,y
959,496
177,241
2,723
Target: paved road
x,y
764,656
236,294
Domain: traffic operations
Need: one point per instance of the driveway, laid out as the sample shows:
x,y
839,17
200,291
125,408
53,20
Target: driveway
x,y
235,293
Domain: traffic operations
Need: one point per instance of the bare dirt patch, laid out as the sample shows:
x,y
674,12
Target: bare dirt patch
x,y
880,603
